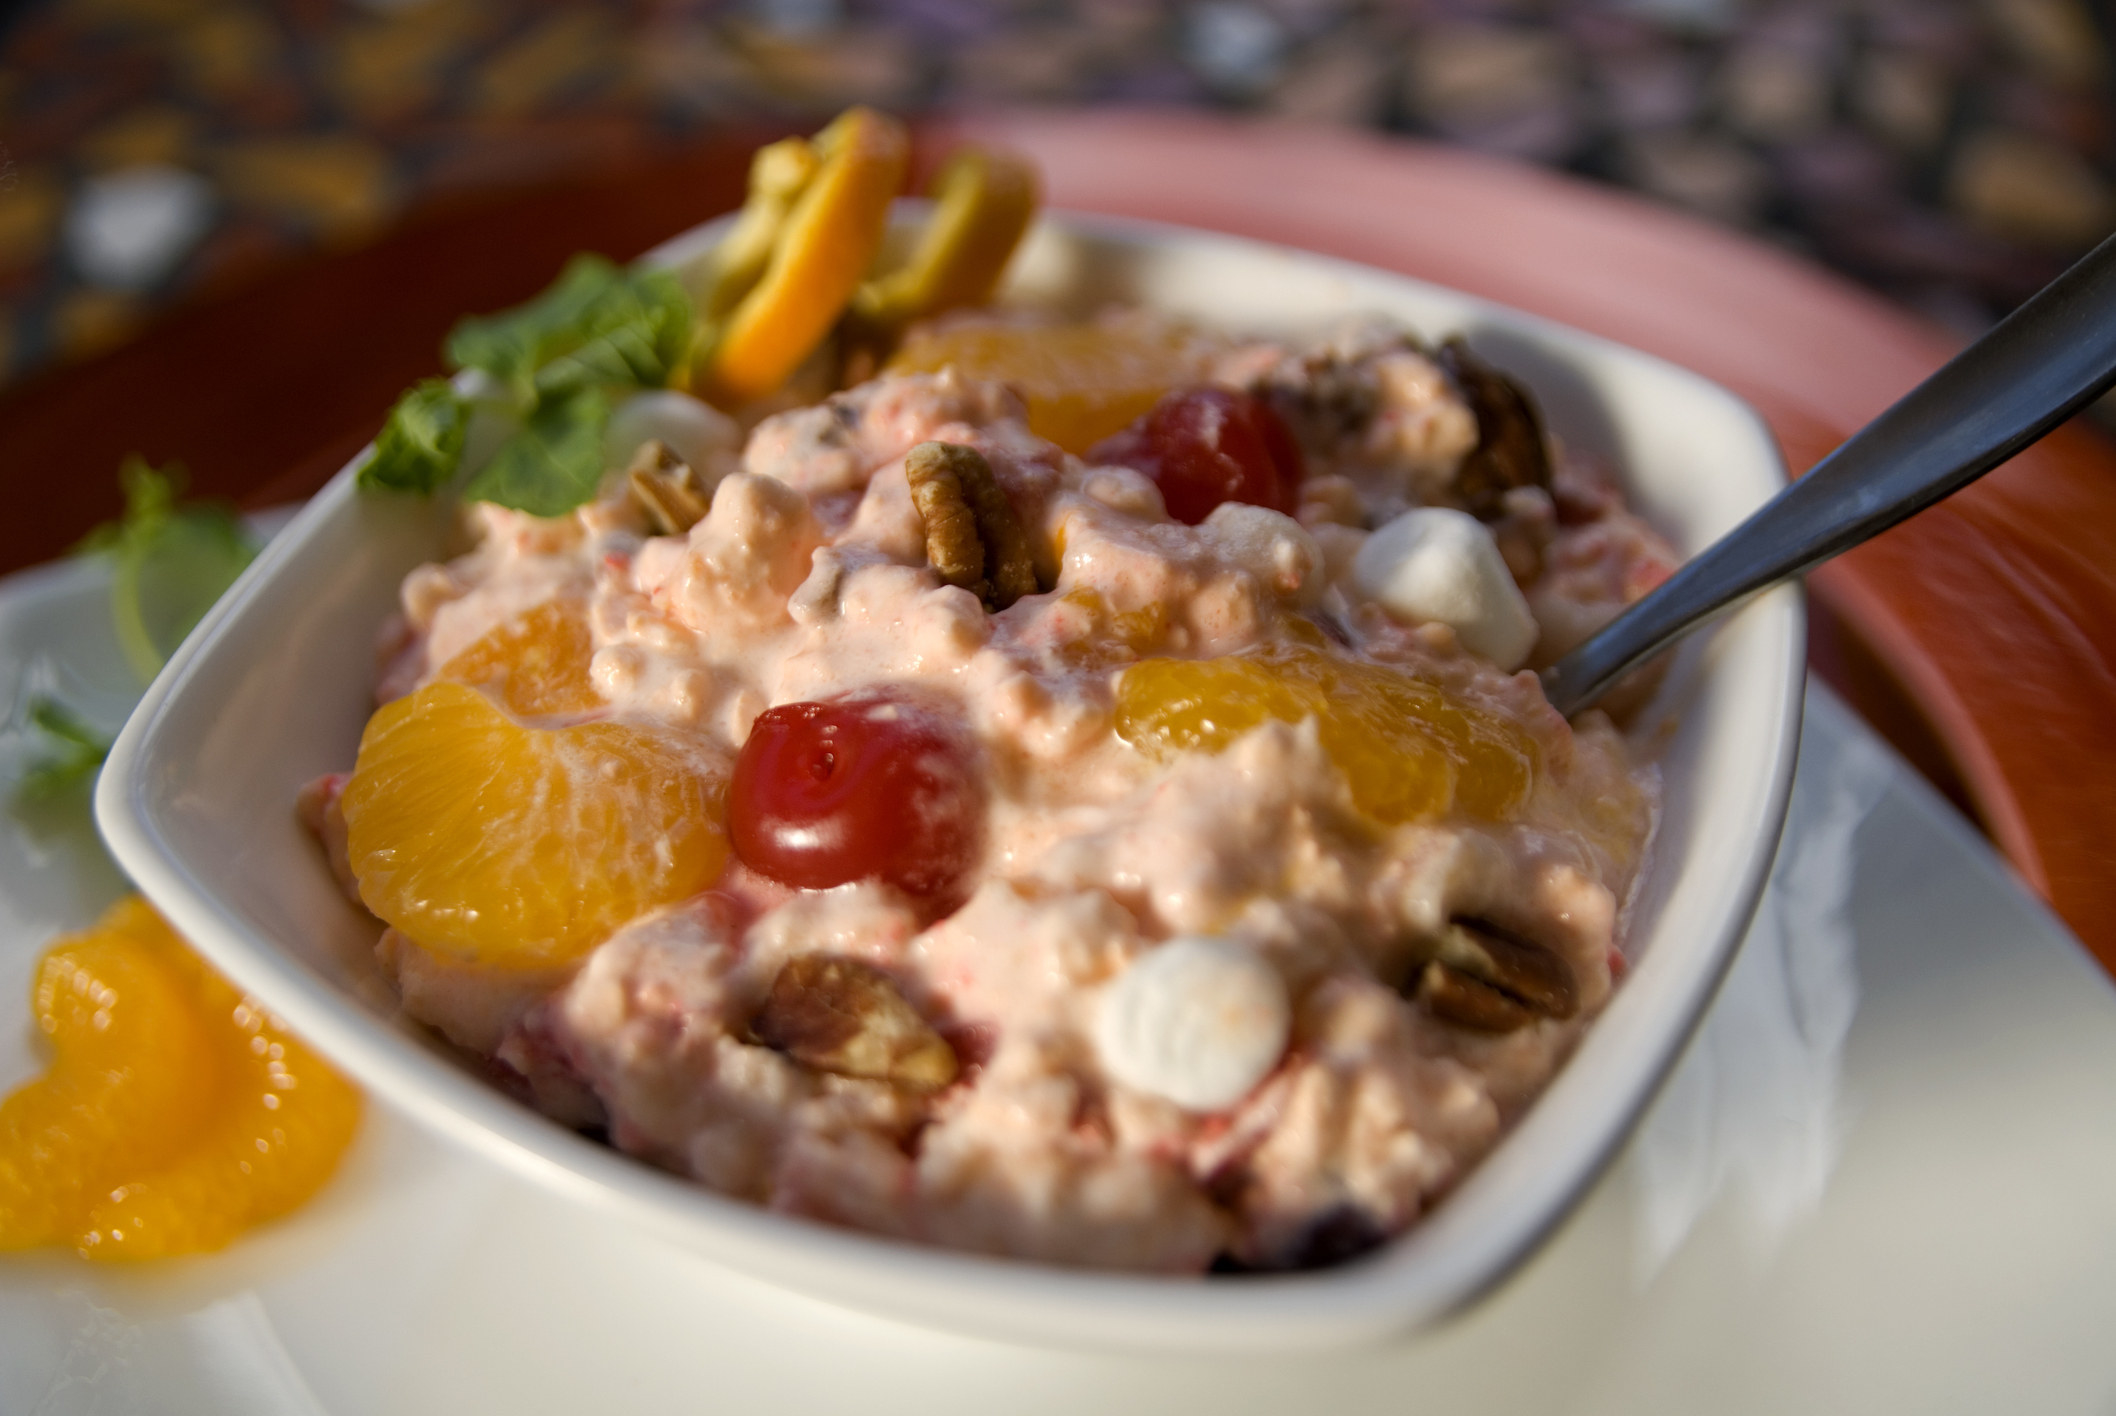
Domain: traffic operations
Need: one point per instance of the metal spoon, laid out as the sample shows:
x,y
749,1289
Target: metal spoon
x,y
2040,365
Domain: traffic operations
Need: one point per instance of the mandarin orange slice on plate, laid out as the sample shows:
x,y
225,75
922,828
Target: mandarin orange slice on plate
x,y
283,1120
133,1074
175,1114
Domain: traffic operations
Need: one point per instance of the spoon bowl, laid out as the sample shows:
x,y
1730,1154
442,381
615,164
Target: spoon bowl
x,y
2036,368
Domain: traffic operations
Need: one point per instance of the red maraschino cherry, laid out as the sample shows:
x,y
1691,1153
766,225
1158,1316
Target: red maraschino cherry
x,y
863,788
1205,446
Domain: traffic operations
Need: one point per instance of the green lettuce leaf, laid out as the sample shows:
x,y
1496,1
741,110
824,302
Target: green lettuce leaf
x,y
169,562
598,325
599,329
419,447
68,750
554,463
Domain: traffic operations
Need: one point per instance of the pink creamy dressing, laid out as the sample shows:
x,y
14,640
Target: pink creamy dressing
x,y
808,580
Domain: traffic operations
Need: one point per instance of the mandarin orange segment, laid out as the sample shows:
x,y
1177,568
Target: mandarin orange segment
x,y
522,847
175,1113
1111,637
537,662
1082,382
1409,750
278,1136
133,1074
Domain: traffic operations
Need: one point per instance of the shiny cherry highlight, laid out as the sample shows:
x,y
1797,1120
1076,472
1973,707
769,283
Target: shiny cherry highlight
x,y
867,788
1205,446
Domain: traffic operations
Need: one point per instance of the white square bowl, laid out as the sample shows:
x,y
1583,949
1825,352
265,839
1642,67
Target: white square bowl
x,y
274,687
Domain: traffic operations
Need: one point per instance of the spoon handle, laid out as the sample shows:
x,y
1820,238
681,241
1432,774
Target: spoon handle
x,y
2037,367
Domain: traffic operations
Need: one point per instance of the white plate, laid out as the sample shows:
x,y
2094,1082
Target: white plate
x,y
273,688
1878,1182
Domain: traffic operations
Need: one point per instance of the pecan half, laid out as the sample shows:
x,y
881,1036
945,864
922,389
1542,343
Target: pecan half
x,y
840,1015
1481,976
973,537
663,486
1510,451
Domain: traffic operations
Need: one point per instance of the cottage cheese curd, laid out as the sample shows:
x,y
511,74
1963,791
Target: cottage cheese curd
x,y
1263,906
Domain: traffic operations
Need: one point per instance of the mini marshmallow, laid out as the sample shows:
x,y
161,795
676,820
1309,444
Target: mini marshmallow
x,y
1435,563
1198,1020
697,432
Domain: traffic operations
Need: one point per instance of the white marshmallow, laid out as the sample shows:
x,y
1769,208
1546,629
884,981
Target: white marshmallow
x,y
697,432
1435,563
1198,1020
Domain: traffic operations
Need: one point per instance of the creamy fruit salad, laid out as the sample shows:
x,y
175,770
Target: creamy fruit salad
x,y
1077,794
1068,790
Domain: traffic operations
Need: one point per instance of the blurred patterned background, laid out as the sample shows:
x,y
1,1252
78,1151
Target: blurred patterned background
x,y
1952,154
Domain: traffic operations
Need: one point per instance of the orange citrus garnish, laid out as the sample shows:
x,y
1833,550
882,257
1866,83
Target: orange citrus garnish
x,y
519,846
537,662
1409,750
983,202
1082,382
828,239
175,1113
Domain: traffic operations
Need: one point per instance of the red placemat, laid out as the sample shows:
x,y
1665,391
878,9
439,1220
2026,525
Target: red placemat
x,y
1995,613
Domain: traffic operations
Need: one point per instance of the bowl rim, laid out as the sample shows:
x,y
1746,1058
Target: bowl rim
x,y
1420,1277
